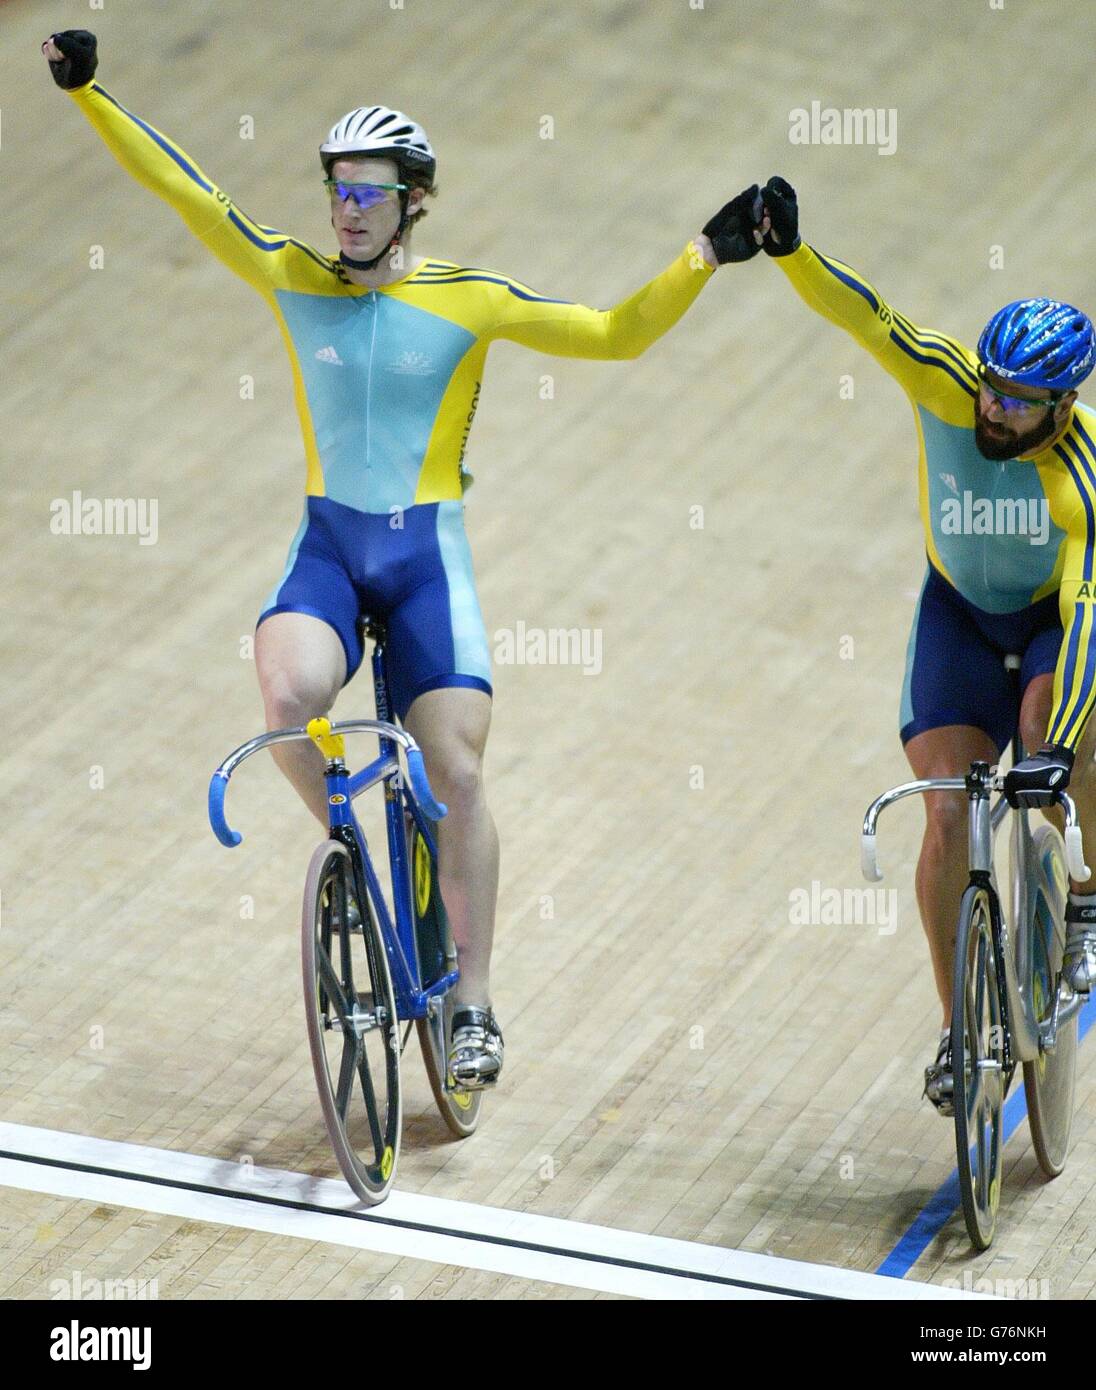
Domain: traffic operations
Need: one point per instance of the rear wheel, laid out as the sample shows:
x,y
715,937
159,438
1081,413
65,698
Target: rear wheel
x,y
353,1031
978,1066
1049,1080
437,956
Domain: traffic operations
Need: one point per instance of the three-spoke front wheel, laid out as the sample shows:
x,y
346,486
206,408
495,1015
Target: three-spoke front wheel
x,y
978,1066
353,1031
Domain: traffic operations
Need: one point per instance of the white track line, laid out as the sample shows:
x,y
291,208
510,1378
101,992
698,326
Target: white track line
x,y
418,1227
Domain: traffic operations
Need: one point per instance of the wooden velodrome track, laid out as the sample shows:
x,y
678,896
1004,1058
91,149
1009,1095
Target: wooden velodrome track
x,y
682,1059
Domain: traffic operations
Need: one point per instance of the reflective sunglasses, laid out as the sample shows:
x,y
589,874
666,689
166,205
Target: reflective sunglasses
x,y
1012,405
366,195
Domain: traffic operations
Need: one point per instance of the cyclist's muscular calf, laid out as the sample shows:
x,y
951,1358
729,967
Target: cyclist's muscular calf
x,y
451,726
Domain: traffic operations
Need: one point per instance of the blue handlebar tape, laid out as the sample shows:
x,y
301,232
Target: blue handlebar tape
x,y
218,785
420,785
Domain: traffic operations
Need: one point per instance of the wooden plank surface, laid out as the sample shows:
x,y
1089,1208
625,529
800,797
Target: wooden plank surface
x,y
681,1057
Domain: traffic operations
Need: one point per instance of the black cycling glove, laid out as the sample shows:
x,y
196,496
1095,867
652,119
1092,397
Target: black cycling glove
x,y
1037,780
77,67
783,209
731,230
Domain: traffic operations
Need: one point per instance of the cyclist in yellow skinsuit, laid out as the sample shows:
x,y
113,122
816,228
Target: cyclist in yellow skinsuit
x,y
1007,473
387,350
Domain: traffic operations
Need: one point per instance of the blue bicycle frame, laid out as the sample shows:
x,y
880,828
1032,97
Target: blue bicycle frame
x,y
412,999
411,796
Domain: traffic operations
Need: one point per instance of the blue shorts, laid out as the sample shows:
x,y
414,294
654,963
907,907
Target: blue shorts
x,y
415,577
955,672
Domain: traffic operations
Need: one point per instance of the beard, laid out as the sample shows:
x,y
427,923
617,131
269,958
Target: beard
x,y
1000,442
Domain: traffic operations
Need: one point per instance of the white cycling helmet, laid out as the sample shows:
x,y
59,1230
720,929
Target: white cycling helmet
x,y
381,131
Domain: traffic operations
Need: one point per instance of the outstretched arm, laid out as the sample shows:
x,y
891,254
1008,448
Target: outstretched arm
x,y
567,329
261,255
929,366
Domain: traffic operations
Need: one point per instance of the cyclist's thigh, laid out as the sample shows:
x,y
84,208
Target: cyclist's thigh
x,y
949,751
300,663
1040,660
310,618
955,676
1035,711
451,722
436,637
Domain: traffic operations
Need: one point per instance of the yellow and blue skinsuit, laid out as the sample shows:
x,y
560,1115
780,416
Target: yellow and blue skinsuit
x,y
1010,544
386,383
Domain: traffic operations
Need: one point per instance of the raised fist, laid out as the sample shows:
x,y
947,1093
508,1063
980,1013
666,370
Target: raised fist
x,y
782,208
72,57
736,231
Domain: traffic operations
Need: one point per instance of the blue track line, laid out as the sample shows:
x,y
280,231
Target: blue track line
x,y
945,1201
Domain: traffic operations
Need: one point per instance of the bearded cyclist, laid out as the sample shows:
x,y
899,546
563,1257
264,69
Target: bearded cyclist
x,y
387,350
1008,502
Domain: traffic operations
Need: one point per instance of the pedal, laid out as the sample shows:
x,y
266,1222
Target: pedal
x,y
944,1104
1079,963
939,1082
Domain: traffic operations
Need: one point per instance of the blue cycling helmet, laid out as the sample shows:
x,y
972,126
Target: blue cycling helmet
x,y
1039,342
